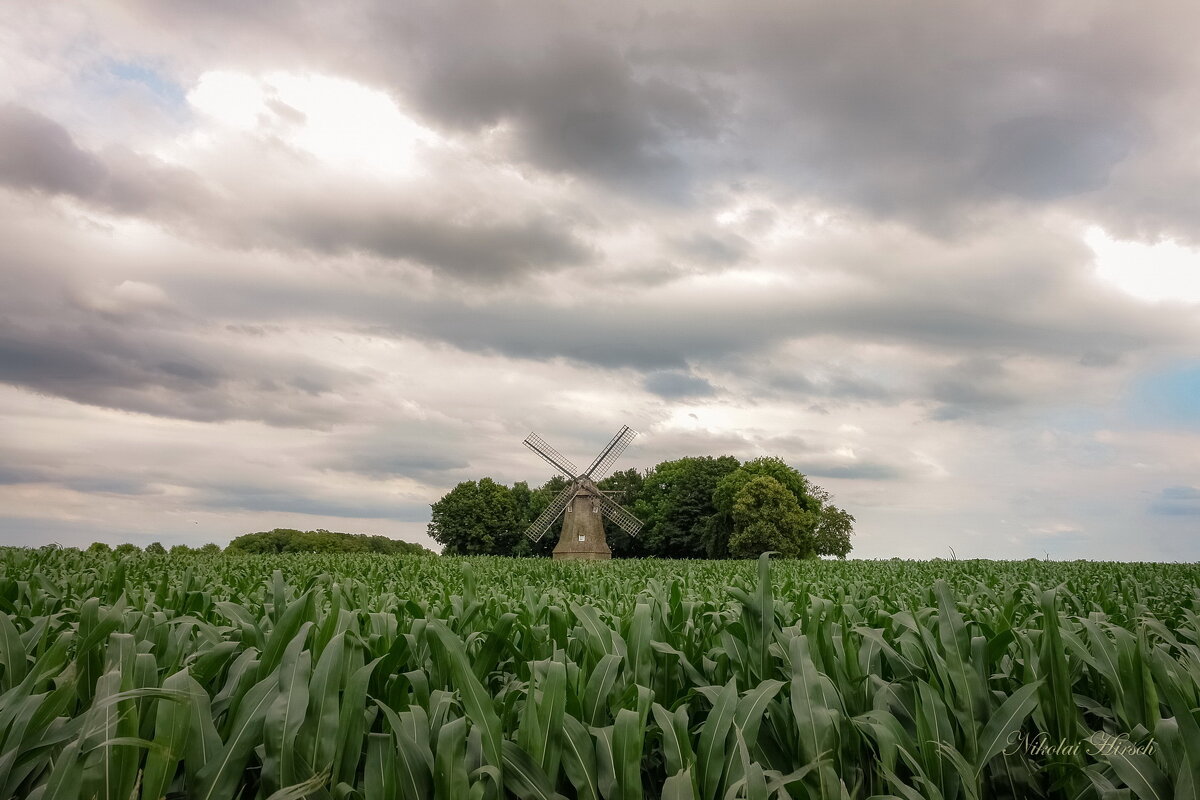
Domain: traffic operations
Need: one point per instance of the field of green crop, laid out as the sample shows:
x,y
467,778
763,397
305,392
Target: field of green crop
x,y
386,677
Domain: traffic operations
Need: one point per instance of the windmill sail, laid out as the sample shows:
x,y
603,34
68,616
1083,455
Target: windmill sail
x,y
611,453
620,517
583,535
554,458
542,524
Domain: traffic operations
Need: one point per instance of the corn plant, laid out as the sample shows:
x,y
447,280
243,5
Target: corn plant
x,y
333,677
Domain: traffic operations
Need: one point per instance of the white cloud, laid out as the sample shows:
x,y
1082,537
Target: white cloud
x,y
1164,271
344,125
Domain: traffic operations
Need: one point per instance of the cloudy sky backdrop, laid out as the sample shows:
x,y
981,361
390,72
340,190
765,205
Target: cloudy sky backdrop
x,y
310,266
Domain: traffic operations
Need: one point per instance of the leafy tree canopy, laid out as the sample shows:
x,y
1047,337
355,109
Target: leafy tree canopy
x,y
766,516
476,518
676,506
287,540
694,507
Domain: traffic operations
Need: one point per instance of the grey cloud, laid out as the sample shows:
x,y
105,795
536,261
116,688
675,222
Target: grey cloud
x,y
11,474
38,154
867,471
465,239
1177,501
920,115
973,387
946,312
717,250
448,240
283,500
677,385
418,449
166,374
573,98
1045,157
841,384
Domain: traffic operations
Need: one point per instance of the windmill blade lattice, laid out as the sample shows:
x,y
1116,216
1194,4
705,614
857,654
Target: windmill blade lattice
x,y
556,459
611,453
586,531
542,524
620,517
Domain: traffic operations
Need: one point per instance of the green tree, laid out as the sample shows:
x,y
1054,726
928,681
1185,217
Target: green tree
x,y
676,506
766,516
288,540
179,550
99,547
834,526
209,549
156,549
727,490
263,542
833,531
476,518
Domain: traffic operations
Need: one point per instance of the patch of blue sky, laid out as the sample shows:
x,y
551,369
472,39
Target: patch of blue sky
x,y
1169,398
120,75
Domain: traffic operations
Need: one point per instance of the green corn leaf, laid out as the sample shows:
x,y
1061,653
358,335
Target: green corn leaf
x,y
680,786
451,779
475,700
628,737
523,777
1006,721
171,728
380,774
579,759
599,687
710,756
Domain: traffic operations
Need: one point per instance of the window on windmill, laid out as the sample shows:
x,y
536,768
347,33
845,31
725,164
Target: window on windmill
x,y
582,538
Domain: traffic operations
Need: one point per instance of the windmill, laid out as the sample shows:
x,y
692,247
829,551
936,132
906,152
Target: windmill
x,y
582,503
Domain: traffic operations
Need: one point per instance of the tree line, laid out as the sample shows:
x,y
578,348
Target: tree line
x,y
695,507
280,540
287,540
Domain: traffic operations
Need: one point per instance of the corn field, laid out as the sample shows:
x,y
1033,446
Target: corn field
x,y
398,678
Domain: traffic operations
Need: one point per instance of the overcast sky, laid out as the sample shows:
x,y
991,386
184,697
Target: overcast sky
x,y
266,265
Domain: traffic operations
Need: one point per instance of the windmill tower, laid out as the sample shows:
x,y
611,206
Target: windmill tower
x,y
582,504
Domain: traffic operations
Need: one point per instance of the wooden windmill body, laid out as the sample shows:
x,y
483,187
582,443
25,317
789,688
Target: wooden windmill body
x,y
582,504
